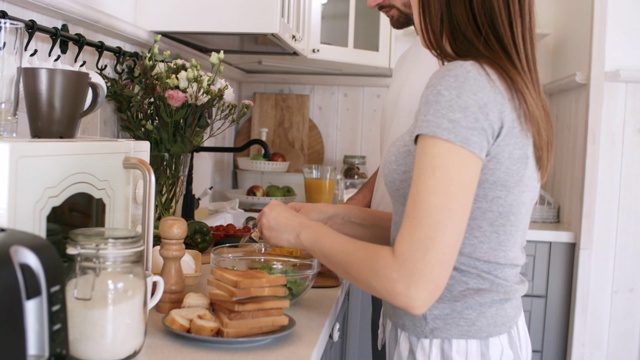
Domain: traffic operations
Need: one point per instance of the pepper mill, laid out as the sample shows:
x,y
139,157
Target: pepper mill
x,y
173,230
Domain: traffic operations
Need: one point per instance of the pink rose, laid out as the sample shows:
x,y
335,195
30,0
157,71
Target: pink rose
x,y
175,97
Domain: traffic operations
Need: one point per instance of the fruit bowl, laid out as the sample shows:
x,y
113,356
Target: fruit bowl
x,y
245,163
240,194
300,272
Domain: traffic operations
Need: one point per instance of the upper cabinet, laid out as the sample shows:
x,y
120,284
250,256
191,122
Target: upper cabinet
x,y
348,31
339,37
238,26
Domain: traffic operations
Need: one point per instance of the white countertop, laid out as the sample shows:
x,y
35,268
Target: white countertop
x,y
552,232
314,313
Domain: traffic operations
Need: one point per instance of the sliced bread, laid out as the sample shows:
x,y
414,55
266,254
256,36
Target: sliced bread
x,y
252,314
204,327
227,323
243,279
253,304
238,333
236,293
177,322
192,313
197,300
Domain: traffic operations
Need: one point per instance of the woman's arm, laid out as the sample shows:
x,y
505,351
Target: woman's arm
x,y
363,196
413,273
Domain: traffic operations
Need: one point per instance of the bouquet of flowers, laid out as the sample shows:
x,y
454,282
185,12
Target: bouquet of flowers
x,y
173,104
176,107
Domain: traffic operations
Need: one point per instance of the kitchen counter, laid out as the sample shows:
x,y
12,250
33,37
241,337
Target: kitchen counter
x,y
551,232
314,313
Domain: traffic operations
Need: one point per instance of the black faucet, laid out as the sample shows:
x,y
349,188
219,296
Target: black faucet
x,y
189,200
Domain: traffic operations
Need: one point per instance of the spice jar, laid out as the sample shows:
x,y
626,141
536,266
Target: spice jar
x,y
106,293
353,175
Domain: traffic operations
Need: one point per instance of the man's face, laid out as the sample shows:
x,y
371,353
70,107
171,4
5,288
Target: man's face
x,y
399,12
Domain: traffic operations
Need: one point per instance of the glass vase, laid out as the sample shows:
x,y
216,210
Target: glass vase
x,y
171,173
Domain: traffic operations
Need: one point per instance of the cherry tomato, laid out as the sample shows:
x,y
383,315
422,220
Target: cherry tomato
x,y
217,236
246,229
218,228
230,228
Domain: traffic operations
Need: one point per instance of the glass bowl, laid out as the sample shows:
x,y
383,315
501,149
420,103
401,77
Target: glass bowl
x,y
300,272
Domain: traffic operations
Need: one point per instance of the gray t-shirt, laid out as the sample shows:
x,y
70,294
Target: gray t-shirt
x,y
466,104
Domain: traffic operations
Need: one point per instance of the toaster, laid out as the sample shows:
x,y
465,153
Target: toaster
x,y
33,322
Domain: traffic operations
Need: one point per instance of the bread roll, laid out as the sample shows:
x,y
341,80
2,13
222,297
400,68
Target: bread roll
x,y
197,300
177,322
204,327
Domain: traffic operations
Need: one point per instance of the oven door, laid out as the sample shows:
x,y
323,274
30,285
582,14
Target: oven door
x,y
54,186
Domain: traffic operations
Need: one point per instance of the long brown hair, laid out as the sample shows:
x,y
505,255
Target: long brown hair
x,y
499,34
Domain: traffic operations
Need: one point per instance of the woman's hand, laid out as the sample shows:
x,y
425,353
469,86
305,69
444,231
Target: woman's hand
x,y
281,225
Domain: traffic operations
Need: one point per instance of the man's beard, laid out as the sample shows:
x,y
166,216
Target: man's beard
x,y
401,20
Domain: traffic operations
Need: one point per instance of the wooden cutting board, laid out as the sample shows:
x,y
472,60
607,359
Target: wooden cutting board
x,y
291,131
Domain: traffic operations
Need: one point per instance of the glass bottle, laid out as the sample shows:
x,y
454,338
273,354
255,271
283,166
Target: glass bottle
x,y
353,175
106,293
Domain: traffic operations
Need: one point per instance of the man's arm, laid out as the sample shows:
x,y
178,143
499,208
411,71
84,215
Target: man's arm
x,y
363,196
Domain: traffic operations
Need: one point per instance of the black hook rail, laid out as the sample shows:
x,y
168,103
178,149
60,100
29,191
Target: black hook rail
x,y
63,37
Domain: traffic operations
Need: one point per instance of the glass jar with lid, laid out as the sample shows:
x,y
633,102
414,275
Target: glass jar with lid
x,y
106,293
353,174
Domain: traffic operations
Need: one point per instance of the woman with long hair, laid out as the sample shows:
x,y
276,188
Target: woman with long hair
x,y
463,181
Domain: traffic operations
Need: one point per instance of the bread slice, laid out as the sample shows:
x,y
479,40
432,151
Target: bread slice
x,y
204,327
227,323
252,314
197,300
243,279
238,333
192,313
177,322
253,304
218,295
236,293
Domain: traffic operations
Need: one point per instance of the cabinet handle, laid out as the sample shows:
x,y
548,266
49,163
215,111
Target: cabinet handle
x,y
315,51
335,332
296,37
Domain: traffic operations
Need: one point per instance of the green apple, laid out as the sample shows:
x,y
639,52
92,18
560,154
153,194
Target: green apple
x,y
257,157
288,191
274,191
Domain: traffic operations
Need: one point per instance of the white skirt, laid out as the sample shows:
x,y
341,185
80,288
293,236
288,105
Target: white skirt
x,y
513,345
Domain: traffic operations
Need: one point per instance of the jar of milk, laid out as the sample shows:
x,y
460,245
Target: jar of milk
x,y
105,293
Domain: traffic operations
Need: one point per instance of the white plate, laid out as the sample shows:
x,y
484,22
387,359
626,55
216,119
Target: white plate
x,y
244,341
245,163
260,200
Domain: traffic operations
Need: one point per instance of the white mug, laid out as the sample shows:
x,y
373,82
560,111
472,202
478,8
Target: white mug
x,y
154,295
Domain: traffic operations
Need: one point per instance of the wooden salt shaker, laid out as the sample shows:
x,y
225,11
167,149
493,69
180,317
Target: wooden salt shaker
x,y
173,230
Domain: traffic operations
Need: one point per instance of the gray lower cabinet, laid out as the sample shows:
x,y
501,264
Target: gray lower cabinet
x,y
549,271
336,346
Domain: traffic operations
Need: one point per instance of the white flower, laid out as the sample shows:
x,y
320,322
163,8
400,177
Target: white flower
x,y
219,84
160,67
182,80
195,95
192,74
173,81
229,96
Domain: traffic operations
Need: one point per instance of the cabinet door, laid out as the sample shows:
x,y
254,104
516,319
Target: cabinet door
x,y
336,346
347,31
294,16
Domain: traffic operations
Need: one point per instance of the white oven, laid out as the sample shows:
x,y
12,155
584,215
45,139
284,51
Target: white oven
x,y
51,186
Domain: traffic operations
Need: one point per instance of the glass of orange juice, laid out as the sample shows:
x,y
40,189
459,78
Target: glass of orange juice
x,y
319,182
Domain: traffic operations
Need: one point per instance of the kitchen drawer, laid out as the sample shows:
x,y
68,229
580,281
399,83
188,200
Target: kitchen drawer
x,y
534,314
536,267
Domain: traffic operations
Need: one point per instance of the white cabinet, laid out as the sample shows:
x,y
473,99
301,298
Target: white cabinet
x,y
246,26
347,31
